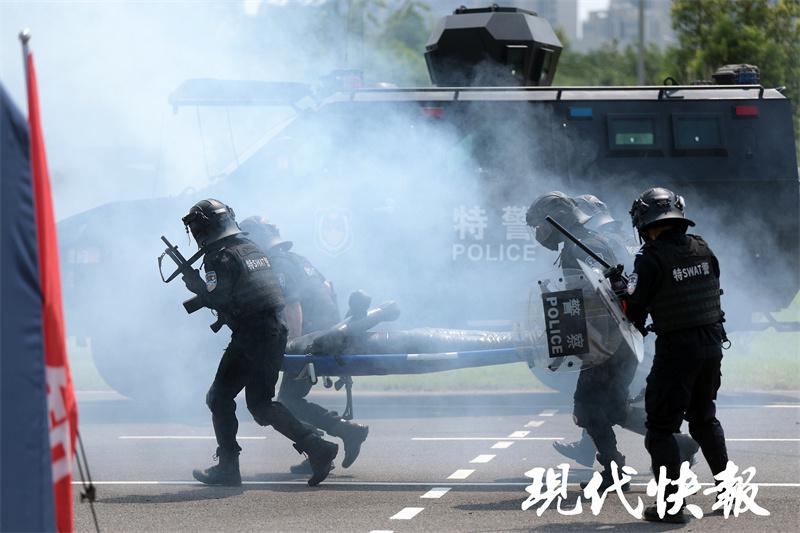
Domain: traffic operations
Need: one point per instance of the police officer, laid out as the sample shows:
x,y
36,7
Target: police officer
x,y
676,282
311,305
604,223
241,288
601,394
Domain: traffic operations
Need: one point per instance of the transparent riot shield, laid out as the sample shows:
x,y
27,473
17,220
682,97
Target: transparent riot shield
x,y
630,336
572,323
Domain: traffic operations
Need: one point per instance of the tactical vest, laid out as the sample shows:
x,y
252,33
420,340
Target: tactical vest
x,y
318,300
256,289
689,295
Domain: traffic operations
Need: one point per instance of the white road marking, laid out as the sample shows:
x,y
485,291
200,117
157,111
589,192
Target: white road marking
x,y
534,423
762,440
502,445
382,531
518,435
784,406
463,473
180,437
548,412
388,483
512,436
483,458
407,513
436,492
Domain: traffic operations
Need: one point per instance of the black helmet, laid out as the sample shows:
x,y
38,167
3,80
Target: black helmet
x,y
265,234
595,208
656,205
209,221
562,209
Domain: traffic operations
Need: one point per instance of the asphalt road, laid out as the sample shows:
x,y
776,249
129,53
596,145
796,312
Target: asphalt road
x,y
451,462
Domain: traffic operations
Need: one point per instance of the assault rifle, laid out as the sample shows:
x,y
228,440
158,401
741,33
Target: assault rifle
x,y
185,268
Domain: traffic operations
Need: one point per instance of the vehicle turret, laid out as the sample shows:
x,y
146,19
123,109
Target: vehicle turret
x,y
492,46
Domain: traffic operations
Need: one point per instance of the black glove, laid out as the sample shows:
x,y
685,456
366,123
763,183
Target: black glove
x,y
618,285
194,282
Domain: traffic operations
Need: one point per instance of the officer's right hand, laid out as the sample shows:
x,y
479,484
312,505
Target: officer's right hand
x,y
193,282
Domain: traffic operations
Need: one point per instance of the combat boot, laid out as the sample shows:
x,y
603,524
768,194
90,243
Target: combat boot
x,y
225,473
607,476
687,448
320,453
303,467
353,436
581,451
651,515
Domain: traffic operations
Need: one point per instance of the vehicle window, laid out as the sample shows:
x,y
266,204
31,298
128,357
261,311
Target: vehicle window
x,y
697,132
632,132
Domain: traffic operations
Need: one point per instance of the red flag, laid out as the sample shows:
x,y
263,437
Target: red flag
x,y
60,395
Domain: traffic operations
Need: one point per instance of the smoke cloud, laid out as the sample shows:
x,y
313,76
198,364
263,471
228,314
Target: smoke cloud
x,y
385,198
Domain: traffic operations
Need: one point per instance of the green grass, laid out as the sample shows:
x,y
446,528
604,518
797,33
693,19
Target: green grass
x,y
765,360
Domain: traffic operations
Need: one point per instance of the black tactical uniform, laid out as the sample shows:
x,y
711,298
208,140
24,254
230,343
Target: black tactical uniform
x,y
301,283
241,287
676,281
601,394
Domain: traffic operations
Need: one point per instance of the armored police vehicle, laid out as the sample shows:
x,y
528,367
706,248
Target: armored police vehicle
x,y
419,194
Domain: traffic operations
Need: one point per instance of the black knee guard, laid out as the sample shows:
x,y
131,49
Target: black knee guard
x,y
269,413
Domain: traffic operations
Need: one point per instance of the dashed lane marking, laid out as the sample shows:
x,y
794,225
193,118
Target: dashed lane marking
x,y
483,458
407,513
784,406
462,473
382,531
502,445
436,493
548,412
534,423
519,434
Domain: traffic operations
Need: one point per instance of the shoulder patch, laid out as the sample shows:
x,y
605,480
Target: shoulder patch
x,y
211,280
632,281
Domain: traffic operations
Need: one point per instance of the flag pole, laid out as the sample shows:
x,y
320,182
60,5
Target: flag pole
x,y
43,181
24,37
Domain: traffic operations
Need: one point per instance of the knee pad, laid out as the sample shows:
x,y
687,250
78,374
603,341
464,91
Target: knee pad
x,y
212,400
267,413
655,438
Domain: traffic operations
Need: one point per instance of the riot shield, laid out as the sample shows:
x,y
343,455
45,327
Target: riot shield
x,y
630,336
572,324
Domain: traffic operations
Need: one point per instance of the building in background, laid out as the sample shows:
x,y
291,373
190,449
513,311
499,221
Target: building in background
x,y
620,22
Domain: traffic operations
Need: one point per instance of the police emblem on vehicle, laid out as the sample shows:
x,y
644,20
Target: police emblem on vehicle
x,y
211,280
334,230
